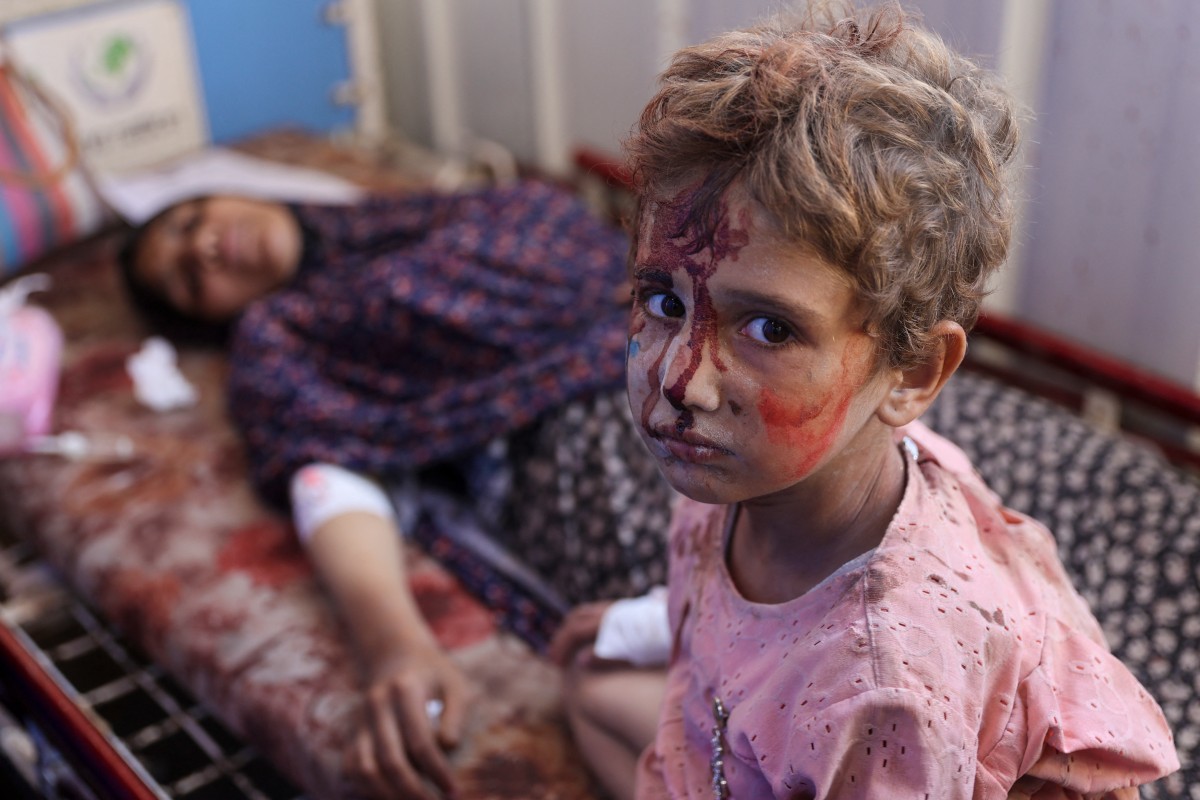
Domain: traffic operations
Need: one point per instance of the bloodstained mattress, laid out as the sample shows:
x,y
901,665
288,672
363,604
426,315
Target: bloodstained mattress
x,y
173,547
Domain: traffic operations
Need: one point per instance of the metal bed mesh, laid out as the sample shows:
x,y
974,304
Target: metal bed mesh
x,y
166,736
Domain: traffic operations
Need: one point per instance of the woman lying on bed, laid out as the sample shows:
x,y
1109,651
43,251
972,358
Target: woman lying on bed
x,y
474,340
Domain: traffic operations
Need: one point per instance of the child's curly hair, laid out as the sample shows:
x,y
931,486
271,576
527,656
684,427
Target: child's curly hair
x,y
867,140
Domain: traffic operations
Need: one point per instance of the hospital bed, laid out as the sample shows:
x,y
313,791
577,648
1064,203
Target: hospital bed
x,y
163,635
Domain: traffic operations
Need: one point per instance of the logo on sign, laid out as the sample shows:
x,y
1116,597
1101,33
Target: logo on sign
x,y
111,68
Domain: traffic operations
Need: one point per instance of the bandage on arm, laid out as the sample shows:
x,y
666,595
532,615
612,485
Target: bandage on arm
x,y
321,492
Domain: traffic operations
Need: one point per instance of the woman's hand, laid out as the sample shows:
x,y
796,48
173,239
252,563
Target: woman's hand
x,y
578,631
360,559
403,733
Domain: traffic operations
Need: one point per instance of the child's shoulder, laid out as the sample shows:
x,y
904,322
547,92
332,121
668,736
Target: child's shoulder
x,y
965,571
955,546
1009,644
952,523
934,446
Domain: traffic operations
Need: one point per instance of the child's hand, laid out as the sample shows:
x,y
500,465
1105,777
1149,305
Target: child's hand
x,y
404,730
578,630
635,631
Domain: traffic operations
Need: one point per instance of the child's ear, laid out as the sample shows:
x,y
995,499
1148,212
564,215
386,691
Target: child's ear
x,y
916,387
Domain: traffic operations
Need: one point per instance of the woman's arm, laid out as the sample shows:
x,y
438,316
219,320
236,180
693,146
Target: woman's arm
x,y
359,557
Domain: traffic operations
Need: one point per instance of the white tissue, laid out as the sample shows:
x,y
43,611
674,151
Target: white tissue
x,y
157,381
636,630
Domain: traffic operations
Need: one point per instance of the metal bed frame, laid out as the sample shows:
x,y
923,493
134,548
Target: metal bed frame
x,y
83,714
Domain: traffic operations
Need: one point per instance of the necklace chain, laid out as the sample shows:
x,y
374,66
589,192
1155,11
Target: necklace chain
x,y
720,786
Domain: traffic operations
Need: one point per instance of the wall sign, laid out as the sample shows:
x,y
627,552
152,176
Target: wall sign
x,y
127,74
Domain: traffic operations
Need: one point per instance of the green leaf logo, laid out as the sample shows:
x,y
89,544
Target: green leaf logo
x,y
117,54
112,67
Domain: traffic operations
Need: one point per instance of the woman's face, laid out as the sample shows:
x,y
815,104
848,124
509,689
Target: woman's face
x,y
749,369
210,258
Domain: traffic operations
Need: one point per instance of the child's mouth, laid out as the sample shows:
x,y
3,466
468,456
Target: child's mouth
x,y
687,445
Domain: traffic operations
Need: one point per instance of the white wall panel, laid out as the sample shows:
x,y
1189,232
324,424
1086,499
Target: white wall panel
x,y
610,65
494,47
710,17
403,50
1111,255
18,9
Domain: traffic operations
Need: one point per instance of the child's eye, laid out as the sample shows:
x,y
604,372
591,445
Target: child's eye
x,y
767,330
665,304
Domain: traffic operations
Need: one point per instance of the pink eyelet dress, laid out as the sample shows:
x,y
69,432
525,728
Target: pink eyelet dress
x,y
954,660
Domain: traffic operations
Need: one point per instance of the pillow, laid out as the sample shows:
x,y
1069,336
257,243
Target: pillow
x,y
46,198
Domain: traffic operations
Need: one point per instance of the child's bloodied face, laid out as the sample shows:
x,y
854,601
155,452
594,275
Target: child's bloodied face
x,y
749,369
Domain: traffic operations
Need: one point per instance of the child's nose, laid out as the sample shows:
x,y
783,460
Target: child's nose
x,y
691,378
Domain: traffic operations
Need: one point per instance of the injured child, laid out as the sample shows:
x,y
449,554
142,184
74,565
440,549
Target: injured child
x,y
853,613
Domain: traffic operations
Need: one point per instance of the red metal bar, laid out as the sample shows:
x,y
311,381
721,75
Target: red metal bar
x,y
1066,398
75,735
1102,370
605,166
1073,400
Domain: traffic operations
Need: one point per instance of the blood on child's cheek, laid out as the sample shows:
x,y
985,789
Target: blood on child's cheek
x,y
806,429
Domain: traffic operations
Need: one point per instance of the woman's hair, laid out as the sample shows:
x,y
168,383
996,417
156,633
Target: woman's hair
x,y
868,141
152,308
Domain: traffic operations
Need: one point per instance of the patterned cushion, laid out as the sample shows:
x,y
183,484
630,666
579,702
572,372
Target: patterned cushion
x,y
1128,531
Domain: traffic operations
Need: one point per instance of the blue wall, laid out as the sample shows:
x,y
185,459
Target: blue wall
x,y
269,63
